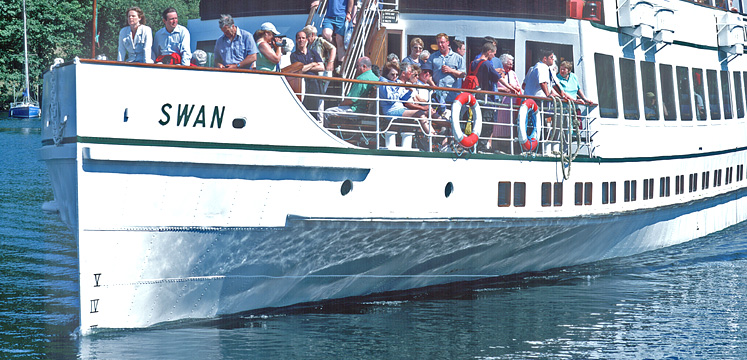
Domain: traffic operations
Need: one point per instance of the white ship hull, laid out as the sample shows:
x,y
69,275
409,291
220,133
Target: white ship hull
x,y
183,212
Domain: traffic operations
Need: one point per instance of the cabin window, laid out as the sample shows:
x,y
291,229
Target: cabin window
x,y
504,193
648,189
557,194
606,85
613,192
738,96
717,177
650,93
706,182
679,184
683,91
714,102
546,194
667,92
520,194
693,183
664,186
699,92
729,177
744,93
587,193
740,172
629,190
726,94
605,193
629,89
579,192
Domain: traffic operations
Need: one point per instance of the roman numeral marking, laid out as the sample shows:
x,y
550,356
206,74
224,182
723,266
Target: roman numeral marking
x,y
94,306
96,277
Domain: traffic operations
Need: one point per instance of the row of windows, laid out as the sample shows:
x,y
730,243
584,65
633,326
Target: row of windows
x,y
693,100
552,193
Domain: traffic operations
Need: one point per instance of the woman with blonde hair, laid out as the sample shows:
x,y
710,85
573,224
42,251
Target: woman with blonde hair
x,y
136,39
416,47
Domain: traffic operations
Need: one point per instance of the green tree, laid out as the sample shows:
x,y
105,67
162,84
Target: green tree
x,y
63,29
54,30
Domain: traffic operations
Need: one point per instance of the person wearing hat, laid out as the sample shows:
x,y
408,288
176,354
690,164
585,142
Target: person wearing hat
x,y
270,47
171,43
236,47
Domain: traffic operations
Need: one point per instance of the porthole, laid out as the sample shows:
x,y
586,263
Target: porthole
x,y
346,188
448,189
239,123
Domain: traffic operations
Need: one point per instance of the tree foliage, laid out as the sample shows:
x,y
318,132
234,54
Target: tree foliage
x,y
63,29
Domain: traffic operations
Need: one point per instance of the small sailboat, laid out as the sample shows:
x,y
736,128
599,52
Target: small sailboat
x,y
27,107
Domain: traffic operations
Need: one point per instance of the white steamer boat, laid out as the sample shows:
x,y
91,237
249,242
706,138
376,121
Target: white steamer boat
x,y
198,192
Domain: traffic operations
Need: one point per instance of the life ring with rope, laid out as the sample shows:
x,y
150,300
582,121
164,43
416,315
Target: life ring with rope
x,y
528,114
466,102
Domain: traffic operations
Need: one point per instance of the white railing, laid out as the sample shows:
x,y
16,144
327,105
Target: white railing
x,y
565,126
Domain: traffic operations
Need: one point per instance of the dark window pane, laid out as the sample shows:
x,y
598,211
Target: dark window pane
x,y
504,193
667,92
738,96
726,94
629,89
606,85
520,194
579,193
558,194
714,102
683,90
546,193
650,93
613,192
699,93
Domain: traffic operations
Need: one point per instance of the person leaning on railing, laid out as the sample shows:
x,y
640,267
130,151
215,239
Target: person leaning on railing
x,y
236,47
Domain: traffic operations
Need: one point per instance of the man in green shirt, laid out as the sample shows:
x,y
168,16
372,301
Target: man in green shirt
x,y
353,104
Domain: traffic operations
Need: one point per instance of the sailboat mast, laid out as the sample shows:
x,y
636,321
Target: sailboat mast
x,y
26,53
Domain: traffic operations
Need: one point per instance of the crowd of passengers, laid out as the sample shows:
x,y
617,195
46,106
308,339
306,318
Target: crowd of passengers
x,y
444,68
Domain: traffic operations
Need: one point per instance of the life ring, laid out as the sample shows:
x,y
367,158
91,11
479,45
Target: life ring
x,y
456,114
527,114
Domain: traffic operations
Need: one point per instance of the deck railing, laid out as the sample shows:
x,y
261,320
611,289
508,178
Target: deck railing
x,y
565,127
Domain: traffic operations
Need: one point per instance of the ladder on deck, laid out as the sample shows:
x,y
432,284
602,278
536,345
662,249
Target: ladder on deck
x,y
367,21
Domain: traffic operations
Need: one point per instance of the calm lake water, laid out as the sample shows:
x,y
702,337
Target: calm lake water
x,y
683,302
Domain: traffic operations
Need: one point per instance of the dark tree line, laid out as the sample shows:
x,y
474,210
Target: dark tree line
x,y
63,29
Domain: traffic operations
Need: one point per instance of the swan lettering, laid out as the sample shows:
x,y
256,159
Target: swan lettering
x,y
184,113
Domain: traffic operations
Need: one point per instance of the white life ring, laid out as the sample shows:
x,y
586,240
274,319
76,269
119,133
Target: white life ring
x,y
528,113
456,114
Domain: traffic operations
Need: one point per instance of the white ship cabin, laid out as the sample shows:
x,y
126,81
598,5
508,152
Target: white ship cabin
x,y
657,68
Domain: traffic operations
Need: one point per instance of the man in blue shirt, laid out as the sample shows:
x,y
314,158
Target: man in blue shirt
x,y
172,41
236,47
448,66
312,64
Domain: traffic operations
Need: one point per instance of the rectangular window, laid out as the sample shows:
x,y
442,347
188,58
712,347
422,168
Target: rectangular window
x,y
558,194
613,192
664,186
729,173
579,193
699,93
606,85
683,91
605,192
677,185
706,180
740,172
587,193
667,92
645,189
648,189
629,89
546,194
693,182
717,177
650,93
738,95
726,94
714,103
630,190
504,193
520,194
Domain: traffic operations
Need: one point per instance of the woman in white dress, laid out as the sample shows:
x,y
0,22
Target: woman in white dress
x,y
136,39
